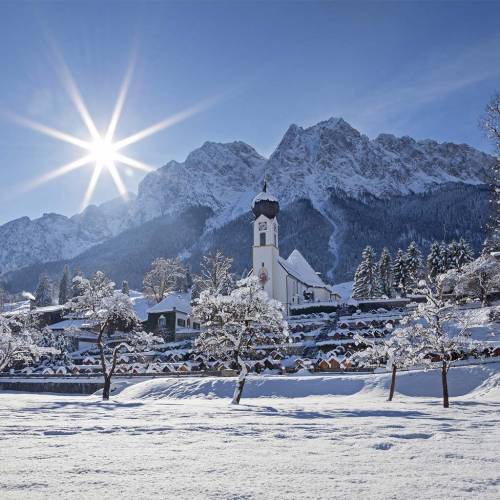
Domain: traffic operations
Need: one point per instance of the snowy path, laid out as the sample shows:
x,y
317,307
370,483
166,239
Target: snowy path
x,y
356,446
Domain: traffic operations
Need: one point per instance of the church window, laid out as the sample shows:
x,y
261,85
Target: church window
x,y
262,239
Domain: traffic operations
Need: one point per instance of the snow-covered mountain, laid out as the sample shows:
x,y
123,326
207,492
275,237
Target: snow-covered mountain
x,y
307,164
222,177
329,175
53,237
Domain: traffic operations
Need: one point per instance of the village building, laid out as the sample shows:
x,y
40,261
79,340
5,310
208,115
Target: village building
x,y
292,280
172,318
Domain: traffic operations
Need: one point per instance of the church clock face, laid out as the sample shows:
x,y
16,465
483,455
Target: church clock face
x,y
262,226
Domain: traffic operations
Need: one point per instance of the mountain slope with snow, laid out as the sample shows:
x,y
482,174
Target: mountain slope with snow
x,y
52,237
329,176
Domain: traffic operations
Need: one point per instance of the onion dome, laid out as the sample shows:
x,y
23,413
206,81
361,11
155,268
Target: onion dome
x,y
265,204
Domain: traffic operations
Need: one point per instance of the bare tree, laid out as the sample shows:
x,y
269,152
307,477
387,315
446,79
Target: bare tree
x,y
235,325
109,311
491,125
403,349
215,275
165,276
439,317
20,341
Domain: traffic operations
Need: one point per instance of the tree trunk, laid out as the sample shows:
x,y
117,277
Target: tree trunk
x,y
238,391
106,389
444,379
393,383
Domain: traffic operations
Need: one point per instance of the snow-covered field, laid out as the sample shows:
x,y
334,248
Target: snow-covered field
x,y
180,438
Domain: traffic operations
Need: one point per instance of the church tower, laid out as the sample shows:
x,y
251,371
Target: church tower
x,y
265,208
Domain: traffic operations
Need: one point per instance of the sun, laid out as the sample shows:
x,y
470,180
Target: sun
x,y
102,150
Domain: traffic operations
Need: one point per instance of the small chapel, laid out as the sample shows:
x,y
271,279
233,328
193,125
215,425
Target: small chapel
x,y
292,280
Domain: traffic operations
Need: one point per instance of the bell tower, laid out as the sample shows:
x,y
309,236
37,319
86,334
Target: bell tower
x,y
265,252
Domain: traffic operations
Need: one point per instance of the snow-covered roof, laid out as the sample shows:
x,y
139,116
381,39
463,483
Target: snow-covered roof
x,y
175,300
140,303
47,309
264,196
297,266
66,324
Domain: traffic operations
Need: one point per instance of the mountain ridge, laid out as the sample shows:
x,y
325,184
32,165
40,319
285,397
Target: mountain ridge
x,y
310,163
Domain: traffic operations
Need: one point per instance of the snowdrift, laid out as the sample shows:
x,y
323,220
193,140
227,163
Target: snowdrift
x,y
477,381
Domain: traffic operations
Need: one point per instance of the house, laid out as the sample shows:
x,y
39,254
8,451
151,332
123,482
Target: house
x,y
292,280
172,318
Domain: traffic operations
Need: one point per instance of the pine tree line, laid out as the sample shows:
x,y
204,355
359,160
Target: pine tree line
x,y
400,275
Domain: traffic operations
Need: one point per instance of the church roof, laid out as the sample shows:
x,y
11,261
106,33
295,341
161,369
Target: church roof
x,y
264,196
175,300
298,267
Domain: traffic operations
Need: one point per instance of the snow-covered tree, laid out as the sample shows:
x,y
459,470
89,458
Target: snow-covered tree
x,y
65,286
413,264
43,293
76,282
58,342
215,274
404,348
461,254
444,257
165,276
444,336
366,279
125,288
110,311
234,325
20,341
385,273
434,261
491,125
478,279
401,274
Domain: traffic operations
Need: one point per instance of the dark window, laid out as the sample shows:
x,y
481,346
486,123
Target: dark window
x,y
196,326
162,322
262,239
181,322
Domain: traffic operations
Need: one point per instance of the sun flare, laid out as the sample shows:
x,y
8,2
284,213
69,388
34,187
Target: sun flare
x,y
102,150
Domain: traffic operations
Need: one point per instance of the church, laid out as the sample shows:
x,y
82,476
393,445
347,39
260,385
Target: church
x,y
292,280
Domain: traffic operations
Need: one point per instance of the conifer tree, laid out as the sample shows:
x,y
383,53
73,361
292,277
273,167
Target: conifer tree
x,y
125,288
76,290
401,273
452,255
385,273
414,263
366,279
65,286
434,261
43,293
444,258
464,254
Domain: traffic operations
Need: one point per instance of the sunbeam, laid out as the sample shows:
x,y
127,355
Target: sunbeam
x,y
101,150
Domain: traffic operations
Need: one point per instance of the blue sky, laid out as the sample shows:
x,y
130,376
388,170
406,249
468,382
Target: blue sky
x,y
424,69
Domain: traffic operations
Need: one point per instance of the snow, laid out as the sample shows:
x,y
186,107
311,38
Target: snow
x,y
297,266
264,196
182,438
173,301
344,290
